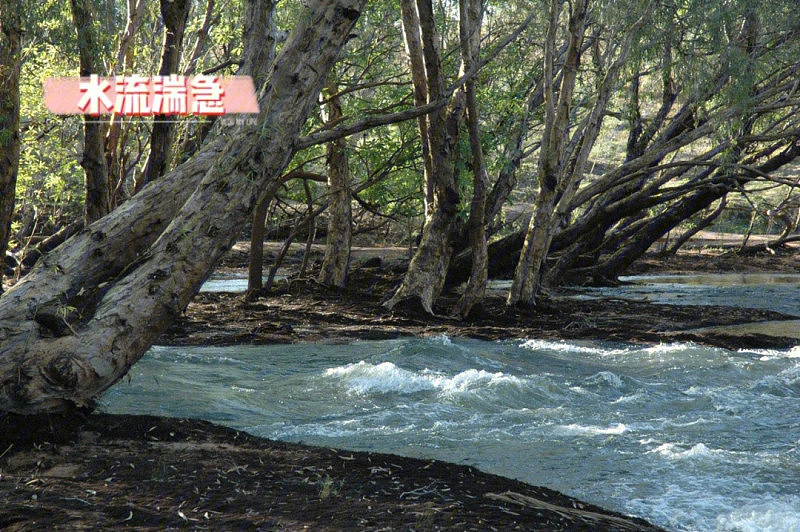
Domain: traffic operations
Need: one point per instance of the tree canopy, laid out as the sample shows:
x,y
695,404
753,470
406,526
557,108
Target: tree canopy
x,y
549,142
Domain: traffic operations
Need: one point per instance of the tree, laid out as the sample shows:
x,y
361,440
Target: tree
x,y
10,62
470,37
93,161
174,13
564,153
336,261
426,274
91,309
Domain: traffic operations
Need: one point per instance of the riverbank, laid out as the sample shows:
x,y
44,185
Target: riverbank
x,y
300,310
147,473
154,473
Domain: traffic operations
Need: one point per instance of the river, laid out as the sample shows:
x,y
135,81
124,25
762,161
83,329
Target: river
x,y
688,437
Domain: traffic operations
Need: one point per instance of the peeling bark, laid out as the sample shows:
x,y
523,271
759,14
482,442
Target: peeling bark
x,y
428,268
526,284
470,27
43,369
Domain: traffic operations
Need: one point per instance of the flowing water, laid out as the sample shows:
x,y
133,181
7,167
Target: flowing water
x,y
688,437
767,291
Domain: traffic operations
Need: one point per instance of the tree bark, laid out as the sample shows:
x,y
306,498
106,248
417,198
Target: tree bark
x,y
419,79
259,40
336,261
563,160
526,283
10,64
470,30
257,57
95,168
43,369
428,268
174,13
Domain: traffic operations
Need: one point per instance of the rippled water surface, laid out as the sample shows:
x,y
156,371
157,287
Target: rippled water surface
x,y
689,437
767,291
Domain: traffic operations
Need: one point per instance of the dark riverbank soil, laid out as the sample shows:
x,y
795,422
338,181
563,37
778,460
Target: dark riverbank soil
x,y
300,310
147,473
103,472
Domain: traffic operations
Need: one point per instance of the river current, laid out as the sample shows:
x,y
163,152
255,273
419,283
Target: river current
x,y
688,437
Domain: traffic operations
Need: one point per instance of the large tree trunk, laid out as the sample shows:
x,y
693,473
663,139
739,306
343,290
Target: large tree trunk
x,y
526,284
336,261
93,160
258,55
428,268
46,369
10,64
174,13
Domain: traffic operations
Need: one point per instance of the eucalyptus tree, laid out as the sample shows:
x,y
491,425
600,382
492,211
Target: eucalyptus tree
x,y
428,268
734,84
336,261
565,150
90,309
471,13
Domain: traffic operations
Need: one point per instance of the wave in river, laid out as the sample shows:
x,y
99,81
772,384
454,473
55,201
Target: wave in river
x,y
689,437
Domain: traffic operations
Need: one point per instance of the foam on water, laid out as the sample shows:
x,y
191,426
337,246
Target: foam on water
x,y
386,377
691,438
675,452
565,347
582,430
775,514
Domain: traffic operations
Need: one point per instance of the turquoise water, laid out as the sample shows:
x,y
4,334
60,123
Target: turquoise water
x,y
688,437
767,291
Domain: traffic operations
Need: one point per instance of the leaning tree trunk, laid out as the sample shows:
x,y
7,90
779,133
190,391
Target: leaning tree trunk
x,y
93,160
526,284
53,366
10,63
174,14
336,262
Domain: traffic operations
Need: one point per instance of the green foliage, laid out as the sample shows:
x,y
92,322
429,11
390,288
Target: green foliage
x,y
701,46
